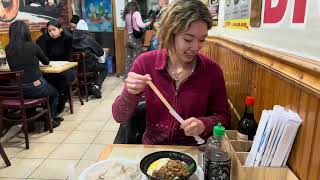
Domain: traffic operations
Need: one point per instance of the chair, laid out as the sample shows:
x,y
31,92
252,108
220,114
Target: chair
x,y
132,131
74,88
85,76
4,156
11,97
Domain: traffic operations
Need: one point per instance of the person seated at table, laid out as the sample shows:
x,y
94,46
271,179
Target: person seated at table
x,y
23,54
83,41
57,45
192,83
73,22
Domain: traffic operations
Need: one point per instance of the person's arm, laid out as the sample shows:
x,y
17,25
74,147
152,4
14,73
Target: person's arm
x,y
137,17
68,45
218,105
124,106
95,46
42,43
41,56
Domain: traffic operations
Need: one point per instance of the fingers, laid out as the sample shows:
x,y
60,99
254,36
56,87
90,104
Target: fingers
x,y
192,127
136,83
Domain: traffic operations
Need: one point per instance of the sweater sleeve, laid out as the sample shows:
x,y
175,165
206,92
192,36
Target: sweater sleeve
x,y
41,56
218,104
138,19
123,107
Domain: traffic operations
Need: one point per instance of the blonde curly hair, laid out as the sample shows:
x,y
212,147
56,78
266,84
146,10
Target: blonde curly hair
x,y
178,18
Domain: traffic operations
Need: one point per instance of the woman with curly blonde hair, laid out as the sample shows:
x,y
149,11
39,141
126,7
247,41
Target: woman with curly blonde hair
x,y
192,83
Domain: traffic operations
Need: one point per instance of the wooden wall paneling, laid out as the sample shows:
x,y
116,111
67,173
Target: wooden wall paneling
x,y
294,159
303,153
256,10
314,165
264,79
4,37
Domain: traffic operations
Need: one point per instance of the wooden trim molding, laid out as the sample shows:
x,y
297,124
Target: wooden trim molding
x,y
302,71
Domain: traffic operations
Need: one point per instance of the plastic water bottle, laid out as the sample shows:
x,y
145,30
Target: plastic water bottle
x,y
217,156
109,64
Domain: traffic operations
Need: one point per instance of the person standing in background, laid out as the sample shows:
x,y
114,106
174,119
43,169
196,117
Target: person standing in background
x,y
132,17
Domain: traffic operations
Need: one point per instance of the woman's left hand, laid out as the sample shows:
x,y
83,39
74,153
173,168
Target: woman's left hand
x,y
192,127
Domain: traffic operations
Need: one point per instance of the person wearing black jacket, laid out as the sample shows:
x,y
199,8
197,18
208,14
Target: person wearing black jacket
x,y
23,54
57,45
83,41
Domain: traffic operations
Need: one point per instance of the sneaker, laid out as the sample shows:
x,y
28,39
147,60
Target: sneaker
x,y
96,92
58,119
55,124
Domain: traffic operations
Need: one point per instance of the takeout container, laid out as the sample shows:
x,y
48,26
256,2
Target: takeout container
x,y
240,151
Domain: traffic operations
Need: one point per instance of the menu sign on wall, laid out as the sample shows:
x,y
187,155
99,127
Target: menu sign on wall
x,y
237,14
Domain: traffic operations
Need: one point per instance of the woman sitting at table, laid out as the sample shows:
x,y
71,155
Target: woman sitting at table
x,y
192,83
23,54
57,45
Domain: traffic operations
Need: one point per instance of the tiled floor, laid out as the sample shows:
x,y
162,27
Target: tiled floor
x,y
77,142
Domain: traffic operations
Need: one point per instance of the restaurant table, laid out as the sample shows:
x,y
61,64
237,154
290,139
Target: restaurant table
x,y
135,152
53,67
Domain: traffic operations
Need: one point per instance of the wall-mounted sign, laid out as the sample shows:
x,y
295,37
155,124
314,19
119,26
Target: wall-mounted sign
x,y
98,15
237,14
35,12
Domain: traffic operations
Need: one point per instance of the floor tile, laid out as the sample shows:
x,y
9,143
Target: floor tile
x,y
67,126
81,166
69,151
94,151
90,126
12,149
12,179
85,137
20,168
105,138
37,150
55,137
54,169
111,125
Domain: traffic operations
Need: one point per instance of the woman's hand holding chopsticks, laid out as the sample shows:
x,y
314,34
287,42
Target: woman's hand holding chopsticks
x,y
192,126
136,83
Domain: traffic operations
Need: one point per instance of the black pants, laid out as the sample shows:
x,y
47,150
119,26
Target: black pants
x,y
101,74
60,82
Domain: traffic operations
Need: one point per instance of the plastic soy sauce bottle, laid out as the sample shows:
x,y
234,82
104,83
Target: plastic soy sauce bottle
x,y
217,156
247,126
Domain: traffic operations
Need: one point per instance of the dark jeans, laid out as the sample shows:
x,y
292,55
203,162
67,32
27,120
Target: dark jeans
x,y
102,74
60,81
43,90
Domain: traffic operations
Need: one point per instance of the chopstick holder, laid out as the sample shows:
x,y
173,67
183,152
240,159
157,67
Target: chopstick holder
x,y
171,110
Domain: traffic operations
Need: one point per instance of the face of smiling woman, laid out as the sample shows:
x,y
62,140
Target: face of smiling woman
x,y
189,43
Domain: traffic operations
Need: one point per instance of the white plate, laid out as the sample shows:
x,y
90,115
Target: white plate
x,y
99,166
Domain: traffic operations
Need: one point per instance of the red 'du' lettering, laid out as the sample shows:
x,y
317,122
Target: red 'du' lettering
x,y
274,14
299,12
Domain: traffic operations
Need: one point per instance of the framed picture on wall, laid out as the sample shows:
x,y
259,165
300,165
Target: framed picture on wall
x,y
35,12
98,15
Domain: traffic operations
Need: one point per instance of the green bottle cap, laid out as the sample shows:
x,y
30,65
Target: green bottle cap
x,y
218,130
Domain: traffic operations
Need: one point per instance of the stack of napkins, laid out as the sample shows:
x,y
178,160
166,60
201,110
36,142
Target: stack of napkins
x,y
274,138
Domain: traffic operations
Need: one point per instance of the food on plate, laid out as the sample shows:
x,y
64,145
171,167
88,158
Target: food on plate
x,y
168,169
116,171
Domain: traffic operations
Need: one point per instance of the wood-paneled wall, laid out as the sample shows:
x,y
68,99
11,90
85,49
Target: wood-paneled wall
x,y
247,72
120,36
4,37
